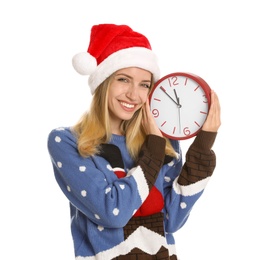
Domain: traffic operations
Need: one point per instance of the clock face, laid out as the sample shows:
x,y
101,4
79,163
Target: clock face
x,y
179,103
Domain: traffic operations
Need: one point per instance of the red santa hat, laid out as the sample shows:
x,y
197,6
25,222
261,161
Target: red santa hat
x,y
113,47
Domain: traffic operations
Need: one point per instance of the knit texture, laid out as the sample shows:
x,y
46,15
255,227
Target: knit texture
x,y
121,209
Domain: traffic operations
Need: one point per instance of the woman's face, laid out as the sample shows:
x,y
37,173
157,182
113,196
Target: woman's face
x,y
127,93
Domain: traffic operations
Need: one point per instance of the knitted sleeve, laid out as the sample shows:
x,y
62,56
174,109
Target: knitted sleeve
x,y
151,159
91,185
187,187
200,159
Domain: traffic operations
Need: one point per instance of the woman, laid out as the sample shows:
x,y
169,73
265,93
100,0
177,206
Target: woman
x,y
126,184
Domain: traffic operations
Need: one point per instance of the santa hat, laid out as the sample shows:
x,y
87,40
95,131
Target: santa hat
x,y
113,47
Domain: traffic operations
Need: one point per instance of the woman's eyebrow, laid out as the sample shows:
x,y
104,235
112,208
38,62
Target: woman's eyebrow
x,y
123,74
130,77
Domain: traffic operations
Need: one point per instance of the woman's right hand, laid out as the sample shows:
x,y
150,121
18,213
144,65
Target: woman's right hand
x,y
148,121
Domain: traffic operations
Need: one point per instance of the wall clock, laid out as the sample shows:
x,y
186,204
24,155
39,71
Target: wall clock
x,y
179,103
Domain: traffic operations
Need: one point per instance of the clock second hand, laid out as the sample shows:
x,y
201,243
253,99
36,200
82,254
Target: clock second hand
x,y
179,106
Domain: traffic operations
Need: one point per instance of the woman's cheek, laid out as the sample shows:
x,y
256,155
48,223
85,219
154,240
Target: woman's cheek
x,y
145,98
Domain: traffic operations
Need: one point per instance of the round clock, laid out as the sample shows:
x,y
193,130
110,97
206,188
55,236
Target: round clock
x,y
179,103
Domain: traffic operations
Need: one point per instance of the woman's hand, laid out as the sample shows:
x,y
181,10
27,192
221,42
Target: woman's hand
x,y
213,122
148,121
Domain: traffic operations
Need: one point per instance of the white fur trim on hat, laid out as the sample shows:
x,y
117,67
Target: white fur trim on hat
x,y
131,57
84,63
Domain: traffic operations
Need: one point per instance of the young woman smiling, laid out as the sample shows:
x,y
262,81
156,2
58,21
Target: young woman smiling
x,y
128,188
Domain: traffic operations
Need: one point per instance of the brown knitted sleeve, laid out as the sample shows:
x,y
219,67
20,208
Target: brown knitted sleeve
x,y
151,157
200,159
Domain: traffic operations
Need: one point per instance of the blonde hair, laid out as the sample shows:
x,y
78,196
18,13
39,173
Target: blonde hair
x,y
93,128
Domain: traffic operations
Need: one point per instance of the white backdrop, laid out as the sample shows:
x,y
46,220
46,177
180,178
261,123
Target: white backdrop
x,y
224,42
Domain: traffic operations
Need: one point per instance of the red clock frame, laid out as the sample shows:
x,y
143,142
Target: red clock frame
x,y
200,81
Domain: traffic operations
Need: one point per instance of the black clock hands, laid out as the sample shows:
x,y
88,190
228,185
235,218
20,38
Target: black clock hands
x,y
177,98
178,106
177,102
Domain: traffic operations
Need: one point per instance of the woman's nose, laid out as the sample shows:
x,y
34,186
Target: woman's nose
x,y
132,92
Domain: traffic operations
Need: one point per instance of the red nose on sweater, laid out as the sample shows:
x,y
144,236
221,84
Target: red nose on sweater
x,y
154,203
120,173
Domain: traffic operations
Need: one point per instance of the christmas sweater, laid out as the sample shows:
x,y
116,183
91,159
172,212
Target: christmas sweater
x,y
125,209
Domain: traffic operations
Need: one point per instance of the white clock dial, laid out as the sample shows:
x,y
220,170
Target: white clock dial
x,y
180,105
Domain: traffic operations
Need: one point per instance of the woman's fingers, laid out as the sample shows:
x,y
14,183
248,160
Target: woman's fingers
x,y
213,120
148,121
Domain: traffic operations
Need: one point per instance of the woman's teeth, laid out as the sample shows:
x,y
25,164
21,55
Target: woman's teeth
x,y
127,105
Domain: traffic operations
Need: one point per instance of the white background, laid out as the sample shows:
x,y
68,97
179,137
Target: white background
x,y
224,42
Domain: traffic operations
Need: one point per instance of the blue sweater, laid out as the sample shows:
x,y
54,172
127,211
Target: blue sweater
x,y
122,208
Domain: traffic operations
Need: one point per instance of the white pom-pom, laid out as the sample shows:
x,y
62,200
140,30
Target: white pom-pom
x,y
84,63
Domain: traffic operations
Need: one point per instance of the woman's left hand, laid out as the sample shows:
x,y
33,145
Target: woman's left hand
x,y
213,122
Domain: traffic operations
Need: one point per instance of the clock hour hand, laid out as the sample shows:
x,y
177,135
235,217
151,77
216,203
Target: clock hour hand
x,y
168,95
177,98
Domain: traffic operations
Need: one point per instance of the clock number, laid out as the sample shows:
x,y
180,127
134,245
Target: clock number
x,y
186,131
155,112
205,101
173,81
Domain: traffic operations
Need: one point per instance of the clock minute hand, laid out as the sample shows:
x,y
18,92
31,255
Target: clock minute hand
x,y
168,95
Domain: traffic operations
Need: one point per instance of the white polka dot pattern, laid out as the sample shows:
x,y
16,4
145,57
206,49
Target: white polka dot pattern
x,y
96,216
57,139
82,168
59,164
116,212
183,205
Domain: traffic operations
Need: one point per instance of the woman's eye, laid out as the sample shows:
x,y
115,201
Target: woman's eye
x,y
145,85
123,80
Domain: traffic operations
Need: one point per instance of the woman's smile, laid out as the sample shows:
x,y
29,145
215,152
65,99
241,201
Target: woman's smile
x,y
127,106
